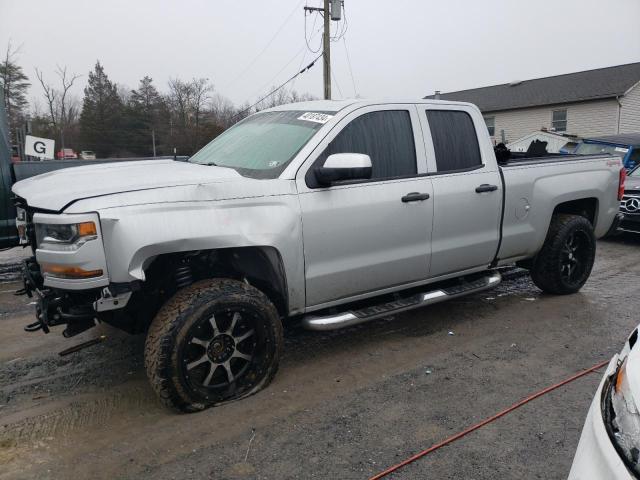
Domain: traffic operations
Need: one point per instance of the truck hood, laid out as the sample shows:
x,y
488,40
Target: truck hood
x,y
55,190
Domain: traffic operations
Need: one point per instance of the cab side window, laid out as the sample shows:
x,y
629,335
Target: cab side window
x,y
454,140
386,136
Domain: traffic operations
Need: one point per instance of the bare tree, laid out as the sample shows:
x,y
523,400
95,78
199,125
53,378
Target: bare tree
x,y
179,98
222,110
62,108
124,93
188,101
281,97
200,89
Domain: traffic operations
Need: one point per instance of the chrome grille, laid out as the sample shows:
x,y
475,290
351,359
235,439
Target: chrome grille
x,y
630,204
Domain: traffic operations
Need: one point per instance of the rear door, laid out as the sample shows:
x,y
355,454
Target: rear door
x,y
361,237
467,190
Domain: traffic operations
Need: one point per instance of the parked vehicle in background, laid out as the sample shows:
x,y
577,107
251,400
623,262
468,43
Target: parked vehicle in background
x,y
87,155
331,213
627,146
630,203
15,156
66,154
609,446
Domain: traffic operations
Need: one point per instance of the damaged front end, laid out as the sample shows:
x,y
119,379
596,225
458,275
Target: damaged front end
x,y
621,413
58,307
67,276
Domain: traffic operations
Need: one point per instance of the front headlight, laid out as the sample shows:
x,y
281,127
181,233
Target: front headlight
x,y
623,419
69,236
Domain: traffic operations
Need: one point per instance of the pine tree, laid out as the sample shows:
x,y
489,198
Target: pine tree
x,y
147,117
102,109
15,85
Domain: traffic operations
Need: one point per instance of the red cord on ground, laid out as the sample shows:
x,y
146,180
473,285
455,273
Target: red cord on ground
x,y
486,421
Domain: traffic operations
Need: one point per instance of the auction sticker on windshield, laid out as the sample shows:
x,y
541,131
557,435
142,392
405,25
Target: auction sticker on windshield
x,y
315,117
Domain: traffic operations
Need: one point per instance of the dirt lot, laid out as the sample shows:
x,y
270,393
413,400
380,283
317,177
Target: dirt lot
x,y
344,405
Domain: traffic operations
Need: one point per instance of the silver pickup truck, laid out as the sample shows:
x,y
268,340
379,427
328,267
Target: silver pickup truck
x,y
327,213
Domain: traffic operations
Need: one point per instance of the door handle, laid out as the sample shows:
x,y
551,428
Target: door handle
x,y
485,187
415,197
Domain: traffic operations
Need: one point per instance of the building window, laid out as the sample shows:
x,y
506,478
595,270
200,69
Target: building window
x,y
491,125
559,121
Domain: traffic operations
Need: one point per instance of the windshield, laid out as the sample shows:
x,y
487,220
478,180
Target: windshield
x,y
635,172
596,148
262,145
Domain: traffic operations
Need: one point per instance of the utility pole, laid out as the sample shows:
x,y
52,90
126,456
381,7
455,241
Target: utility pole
x,y
326,52
330,11
153,140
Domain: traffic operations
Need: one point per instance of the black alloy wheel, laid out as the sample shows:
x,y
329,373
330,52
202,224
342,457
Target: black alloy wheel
x,y
215,341
564,263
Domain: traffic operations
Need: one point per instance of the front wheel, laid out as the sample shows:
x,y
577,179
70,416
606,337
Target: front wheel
x,y
214,341
564,263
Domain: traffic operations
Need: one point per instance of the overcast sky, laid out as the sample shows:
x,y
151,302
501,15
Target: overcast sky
x,y
397,48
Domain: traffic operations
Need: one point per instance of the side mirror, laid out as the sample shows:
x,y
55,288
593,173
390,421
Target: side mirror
x,y
344,166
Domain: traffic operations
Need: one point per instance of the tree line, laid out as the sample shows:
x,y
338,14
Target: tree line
x,y
115,121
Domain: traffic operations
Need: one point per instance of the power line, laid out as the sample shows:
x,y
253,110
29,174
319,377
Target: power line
x,y
337,84
345,26
315,18
270,82
344,42
304,56
308,67
307,42
266,46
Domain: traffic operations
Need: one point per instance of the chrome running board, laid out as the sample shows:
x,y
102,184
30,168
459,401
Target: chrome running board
x,y
356,316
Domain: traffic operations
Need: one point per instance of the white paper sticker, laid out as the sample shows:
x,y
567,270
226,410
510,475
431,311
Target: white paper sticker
x,y
623,150
315,117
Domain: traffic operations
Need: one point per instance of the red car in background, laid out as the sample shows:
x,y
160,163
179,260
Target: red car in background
x,y
66,154
15,156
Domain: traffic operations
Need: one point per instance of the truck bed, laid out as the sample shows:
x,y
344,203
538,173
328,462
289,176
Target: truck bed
x,y
516,160
534,186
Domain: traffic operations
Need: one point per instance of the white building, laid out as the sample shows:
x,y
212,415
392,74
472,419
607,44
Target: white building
x,y
595,102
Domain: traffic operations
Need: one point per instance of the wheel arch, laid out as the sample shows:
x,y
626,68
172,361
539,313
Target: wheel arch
x,y
585,207
260,266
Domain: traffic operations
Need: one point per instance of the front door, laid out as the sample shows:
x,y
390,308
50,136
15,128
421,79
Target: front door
x,y
361,237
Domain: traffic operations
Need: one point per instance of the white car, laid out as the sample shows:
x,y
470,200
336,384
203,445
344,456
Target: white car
x,y
87,155
609,447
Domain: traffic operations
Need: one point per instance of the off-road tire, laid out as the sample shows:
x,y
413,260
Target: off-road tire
x,y
546,268
169,338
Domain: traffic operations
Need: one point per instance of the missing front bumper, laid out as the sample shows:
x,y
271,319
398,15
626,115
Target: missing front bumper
x,y
56,307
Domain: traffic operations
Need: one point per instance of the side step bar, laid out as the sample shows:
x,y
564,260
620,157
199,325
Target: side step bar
x,y
354,317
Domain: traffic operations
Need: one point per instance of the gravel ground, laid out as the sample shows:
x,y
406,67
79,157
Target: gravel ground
x,y
10,262
345,404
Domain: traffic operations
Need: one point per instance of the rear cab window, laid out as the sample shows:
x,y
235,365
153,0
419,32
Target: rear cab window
x,y
455,141
386,136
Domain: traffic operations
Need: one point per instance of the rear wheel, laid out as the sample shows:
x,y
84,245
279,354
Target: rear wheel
x,y
214,341
564,263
